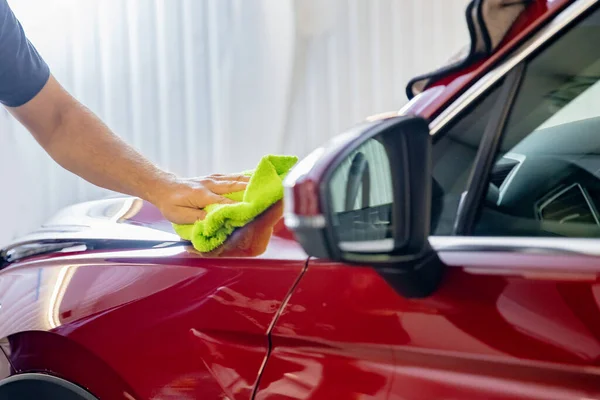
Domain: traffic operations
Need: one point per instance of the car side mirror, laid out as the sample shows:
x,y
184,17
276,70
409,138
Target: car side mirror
x,y
365,198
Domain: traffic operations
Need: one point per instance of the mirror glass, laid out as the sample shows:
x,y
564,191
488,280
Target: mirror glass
x,y
361,197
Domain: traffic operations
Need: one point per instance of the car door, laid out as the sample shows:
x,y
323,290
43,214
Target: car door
x,y
515,221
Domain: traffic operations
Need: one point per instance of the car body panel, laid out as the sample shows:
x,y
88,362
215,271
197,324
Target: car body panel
x,y
167,323
170,323
519,330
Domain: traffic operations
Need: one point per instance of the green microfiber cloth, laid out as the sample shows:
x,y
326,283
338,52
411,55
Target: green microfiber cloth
x,y
264,189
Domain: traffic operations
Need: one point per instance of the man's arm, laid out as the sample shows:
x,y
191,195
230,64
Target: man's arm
x,y
77,140
81,143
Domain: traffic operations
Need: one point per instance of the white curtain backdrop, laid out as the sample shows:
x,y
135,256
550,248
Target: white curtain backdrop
x,y
203,86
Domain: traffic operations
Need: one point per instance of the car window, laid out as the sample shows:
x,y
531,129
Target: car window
x,y
546,180
453,155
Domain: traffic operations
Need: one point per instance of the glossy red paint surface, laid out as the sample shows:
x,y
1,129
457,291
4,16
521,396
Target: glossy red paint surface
x,y
346,334
168,323
149,324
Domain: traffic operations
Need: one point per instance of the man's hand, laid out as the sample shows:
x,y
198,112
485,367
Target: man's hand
x,y
77,140
181,201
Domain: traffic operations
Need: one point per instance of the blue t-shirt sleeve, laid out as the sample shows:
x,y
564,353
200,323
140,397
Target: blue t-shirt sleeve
x,y
23,72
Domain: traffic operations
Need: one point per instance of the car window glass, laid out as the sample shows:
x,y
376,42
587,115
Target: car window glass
x,y
453,155
547,169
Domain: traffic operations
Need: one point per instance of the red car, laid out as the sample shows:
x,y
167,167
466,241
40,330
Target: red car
x,y
449,252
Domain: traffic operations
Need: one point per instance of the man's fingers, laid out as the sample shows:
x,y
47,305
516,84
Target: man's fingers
x,y
225,187
186,215
213,198
236,177
225,200
189,215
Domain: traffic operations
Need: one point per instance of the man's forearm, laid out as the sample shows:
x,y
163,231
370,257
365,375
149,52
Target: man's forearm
x,y
84,145
81,143
77,139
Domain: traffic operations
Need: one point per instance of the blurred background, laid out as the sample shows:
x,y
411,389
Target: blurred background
x,y
203,86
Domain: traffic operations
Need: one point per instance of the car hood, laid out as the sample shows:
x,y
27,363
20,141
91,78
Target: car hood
x,y
131,223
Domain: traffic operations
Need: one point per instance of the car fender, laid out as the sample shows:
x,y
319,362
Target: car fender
x,y
33,352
